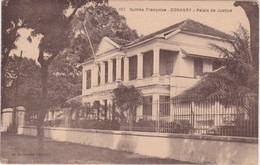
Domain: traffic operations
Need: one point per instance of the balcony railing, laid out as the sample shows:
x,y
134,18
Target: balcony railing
x,y
162,80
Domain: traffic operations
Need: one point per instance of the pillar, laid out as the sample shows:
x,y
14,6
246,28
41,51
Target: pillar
x,y
102,104
118,68
7,120
20,116
155,106
109,108
139,66
102,73
171,110
110,71
94,76
156,61
84,79
139,112
126,69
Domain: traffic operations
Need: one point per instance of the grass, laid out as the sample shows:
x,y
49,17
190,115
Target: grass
x,y
24,149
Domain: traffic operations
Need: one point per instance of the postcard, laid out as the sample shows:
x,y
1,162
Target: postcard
x,y
129,82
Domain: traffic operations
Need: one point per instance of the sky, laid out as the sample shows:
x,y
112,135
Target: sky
x,y
142,16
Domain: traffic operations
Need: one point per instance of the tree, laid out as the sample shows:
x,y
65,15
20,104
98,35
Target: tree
x,y
252,12
29,84
240,68
127,98
98,21
64,79
48,18
12,21
237,77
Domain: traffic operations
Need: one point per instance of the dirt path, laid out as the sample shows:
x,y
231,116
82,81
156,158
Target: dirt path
x,y
23,149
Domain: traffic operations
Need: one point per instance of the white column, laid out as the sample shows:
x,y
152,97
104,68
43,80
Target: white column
x,y
155,106
102,73
139,66
84,79
109,108
118,68
156,61
110,71
139,112
126,69
94,76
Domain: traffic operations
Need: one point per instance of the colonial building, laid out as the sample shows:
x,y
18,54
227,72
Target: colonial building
x,y
161,64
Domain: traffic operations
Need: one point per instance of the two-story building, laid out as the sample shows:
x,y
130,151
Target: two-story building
x,y
161,64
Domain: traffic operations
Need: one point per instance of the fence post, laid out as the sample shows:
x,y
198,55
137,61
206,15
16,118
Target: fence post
x,y
192,115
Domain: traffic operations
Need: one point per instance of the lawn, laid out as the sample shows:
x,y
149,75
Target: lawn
x,y
23,149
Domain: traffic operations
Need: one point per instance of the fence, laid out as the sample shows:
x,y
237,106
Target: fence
x,y
234,116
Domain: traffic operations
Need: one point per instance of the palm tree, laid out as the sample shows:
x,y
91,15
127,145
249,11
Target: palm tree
x,y
237,77
235,83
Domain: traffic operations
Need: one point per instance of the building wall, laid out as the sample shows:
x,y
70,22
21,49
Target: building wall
x,y
182,76
195,40
192,148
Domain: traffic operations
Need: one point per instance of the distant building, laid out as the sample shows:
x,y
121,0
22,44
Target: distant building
x,y
161,64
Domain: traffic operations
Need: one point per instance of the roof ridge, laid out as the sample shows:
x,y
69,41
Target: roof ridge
x,y
118,38
187,25
207,26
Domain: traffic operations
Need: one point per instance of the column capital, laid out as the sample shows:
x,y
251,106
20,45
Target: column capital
x,y
102,62
110,60
126,58
140,54
119,57
156,49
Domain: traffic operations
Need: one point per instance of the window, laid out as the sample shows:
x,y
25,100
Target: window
x,y
88,72
164,105
147,105
198,67
216,65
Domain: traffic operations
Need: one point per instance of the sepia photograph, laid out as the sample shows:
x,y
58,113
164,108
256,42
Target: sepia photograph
x,y
129,82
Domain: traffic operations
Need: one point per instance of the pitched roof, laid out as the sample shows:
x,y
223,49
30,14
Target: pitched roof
x,y
187,26
120,41
201,89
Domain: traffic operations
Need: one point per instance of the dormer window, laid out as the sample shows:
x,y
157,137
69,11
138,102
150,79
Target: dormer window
x,y
198,67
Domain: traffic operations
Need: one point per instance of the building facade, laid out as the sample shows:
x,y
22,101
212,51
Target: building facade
x,y
161,64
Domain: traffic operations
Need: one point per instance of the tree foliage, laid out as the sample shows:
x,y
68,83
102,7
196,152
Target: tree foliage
x,y
237,77
126,97
12,21
240,69
29,84
64,79
99,21
48,18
